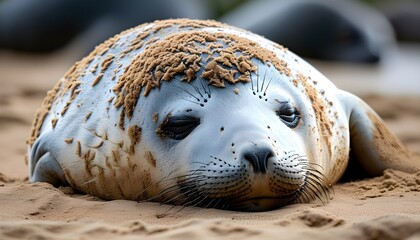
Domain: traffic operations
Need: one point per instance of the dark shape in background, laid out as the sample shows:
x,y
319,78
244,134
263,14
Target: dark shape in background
x,y
405,19
329,30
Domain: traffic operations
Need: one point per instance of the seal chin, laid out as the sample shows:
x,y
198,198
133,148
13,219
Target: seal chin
x,y
260,204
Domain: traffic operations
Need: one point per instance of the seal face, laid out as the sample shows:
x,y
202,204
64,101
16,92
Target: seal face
x,y
200,113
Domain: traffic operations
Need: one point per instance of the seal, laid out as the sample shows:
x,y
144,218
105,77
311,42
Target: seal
x,y
200,113
346,31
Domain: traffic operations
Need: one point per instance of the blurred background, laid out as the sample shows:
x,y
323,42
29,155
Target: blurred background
x,y
373,44
369,47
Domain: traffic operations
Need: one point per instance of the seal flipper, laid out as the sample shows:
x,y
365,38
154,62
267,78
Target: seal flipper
x,y
44,167
48,170
373,146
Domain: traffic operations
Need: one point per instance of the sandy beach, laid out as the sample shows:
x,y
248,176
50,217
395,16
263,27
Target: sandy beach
x,y
386,207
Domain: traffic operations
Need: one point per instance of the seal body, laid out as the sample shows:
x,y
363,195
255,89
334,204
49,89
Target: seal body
x,y
204,114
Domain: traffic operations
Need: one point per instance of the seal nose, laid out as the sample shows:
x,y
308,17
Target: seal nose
x,y
258,157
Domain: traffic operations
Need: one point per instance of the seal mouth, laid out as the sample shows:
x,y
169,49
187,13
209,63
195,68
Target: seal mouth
x,y
242,191
242,198
246,202
305,193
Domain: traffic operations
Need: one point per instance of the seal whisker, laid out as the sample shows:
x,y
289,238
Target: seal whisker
x,y
90,181
209,203
269,82
192,101
72,165
197,89
314,170
224,206
184,190
207,91
316,184
231,194
314,189
198,196
160,215
308,193
252,82
159,181
308,196
303,197
192,95
204,164
180,209
263,82
192,176
183,203
317,165
323,180
258,79
173,199
197,201
162,192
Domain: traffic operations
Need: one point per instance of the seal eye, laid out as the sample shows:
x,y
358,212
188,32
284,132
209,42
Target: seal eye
x,y
177,127
289,115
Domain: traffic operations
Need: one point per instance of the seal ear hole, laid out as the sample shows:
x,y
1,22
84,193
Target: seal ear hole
x,y
222,129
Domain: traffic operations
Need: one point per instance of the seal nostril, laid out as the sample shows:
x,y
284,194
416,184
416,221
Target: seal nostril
x,y
258,157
